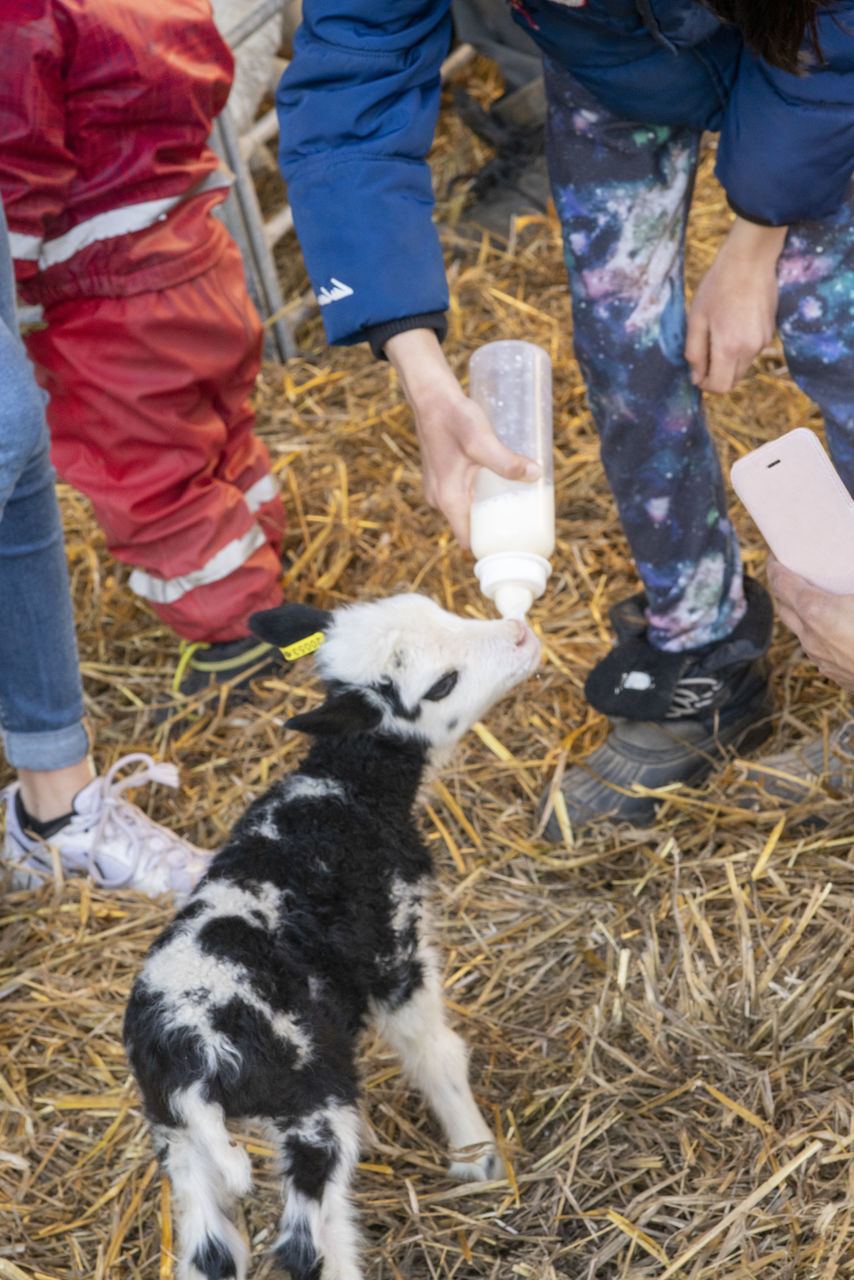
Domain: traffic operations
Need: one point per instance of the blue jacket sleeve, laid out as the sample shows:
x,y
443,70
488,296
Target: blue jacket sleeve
x,y
357,109
786,150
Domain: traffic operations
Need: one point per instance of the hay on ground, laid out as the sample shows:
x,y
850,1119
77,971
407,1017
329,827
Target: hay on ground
x,y
660,1021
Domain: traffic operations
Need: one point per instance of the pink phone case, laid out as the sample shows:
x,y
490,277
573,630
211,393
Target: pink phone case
x,y
801,507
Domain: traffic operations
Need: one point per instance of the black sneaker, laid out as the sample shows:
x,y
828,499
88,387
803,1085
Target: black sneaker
x,y
233,662
203,670
675,715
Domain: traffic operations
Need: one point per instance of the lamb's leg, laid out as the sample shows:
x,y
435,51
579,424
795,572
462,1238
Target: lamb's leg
x,y
319,1236
208,1171
434,1058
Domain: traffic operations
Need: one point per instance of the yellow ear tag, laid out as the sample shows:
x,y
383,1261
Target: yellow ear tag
x,y
300,648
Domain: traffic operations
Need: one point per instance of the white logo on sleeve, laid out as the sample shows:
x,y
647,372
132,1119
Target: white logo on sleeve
x,y
333,293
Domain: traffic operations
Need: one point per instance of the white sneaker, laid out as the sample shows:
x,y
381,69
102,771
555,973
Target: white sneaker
x,y
109,838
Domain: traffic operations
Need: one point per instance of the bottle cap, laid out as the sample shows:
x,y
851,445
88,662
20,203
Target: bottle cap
x,y
513,579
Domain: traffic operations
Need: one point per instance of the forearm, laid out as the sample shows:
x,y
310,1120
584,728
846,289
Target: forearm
x,y
424,372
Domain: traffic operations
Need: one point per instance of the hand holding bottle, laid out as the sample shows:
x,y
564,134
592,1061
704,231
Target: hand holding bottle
x,y
454,433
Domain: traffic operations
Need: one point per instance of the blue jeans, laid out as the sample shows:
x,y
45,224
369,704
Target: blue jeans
x,y
41,699
623,190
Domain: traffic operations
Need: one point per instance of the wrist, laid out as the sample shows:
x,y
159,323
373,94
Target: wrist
x,y
421,366
752,241
377,335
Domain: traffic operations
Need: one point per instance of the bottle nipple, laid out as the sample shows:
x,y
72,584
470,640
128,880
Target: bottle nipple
x,y
512,600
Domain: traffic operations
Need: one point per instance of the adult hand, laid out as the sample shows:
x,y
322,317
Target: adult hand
x,y
823,622
454,434
733,315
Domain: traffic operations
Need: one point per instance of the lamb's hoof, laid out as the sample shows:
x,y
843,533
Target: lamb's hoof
x,y
484,1165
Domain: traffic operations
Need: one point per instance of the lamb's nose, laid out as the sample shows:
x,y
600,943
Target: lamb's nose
x,y
522,630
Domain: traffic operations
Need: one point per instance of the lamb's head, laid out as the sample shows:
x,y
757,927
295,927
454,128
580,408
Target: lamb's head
x,y
403,665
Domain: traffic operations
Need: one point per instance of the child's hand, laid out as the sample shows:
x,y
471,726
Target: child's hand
x,y
454,434
822,621
733,315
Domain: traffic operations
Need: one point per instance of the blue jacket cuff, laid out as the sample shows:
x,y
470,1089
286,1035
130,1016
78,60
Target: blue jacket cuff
x,y
378,334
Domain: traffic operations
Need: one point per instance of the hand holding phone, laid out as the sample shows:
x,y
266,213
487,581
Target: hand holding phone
x,y
822,621
801,507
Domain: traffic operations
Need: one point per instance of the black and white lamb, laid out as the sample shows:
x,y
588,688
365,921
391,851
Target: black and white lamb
x,y
312,919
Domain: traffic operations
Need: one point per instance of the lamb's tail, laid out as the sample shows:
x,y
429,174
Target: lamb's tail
x,y
208,1171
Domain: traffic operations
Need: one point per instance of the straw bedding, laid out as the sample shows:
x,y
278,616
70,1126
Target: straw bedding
x,y
660,1021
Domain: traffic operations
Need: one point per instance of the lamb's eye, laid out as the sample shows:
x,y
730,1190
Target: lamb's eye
x,y
442,687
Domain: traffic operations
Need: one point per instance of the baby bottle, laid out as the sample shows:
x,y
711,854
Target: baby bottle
x,y
512,521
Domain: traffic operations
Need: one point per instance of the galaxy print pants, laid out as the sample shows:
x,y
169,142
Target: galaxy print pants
x,y
622,192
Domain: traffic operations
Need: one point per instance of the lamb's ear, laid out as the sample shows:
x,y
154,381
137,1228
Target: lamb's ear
x,y
296,629
339,715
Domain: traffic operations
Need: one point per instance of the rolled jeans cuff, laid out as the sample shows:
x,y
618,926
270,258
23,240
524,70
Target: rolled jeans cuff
x,y
52,749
